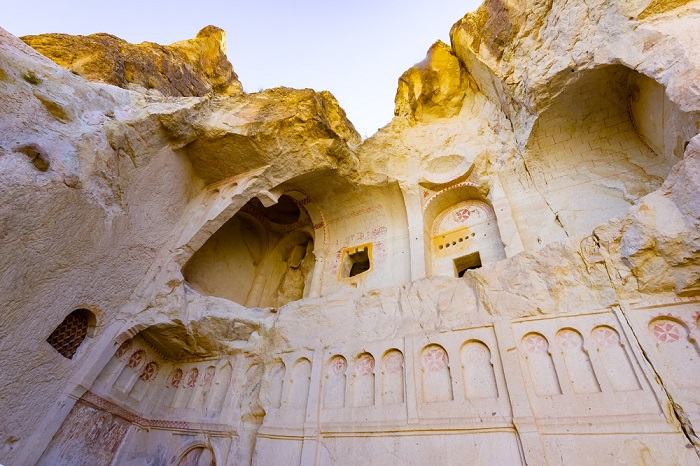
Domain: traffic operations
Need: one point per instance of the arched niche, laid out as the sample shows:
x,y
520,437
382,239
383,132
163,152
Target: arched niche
x,y
435,374
199,455
477,371
203,389
261,257
363,388
392,377
219,390
578,364
275,383
287,271
606,138
616,362
300,383
162,367
543,373
678,349
461,232
334,383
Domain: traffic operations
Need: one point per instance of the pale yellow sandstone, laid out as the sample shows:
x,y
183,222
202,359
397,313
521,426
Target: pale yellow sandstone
x,y
507,273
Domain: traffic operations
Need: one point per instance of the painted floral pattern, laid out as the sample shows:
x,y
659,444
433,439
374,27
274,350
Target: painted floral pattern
x,y
150,371
339,366
192,378
365,365
535,344
123,349
176,378
462,215
393,362
435,359
477,353
606,337
569,339
136,359
667,331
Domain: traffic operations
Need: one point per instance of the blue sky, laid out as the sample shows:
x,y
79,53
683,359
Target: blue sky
x,y
355,49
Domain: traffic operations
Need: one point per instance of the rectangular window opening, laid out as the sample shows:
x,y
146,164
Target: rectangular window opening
x,y
355,262
359,267
468,262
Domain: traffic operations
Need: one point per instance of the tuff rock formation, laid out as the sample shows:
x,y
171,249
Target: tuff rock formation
x,y
190,68
506,273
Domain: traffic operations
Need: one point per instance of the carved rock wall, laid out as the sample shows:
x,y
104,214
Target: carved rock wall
x,y
508,271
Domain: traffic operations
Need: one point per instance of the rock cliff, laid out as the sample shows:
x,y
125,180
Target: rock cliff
x,y
508,271
190,68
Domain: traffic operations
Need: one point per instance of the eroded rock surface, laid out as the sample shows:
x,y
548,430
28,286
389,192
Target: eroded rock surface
x,y
435,88
509,271
188,68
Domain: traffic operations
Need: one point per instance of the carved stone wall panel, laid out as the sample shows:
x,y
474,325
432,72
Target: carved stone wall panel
x,y
293,386
581,366
669,333
135,377
455,447
371,377
471,359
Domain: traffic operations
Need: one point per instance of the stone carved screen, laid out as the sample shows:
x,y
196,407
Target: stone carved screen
x,y
70,334
191,382
204,388
459,375
583,365
171,387
359,383
669,332
145,381
132,371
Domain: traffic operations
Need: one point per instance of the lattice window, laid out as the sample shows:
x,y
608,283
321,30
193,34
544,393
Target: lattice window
x,y
68,336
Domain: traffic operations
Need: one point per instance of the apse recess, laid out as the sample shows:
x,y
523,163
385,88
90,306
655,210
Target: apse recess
x,y
262,257
605,139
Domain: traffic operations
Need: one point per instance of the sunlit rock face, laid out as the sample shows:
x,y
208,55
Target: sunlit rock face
x,y
194,67
434,88
508,272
